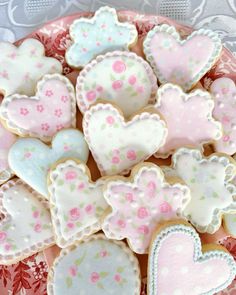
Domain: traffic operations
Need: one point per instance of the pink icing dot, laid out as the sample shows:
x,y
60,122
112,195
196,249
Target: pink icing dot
x,y
226,138
165,207
121,223
140,89
103,253
24,111
132,80
28,155
81,186
73,271
64,98
37,228
91,95
98,43
45,126
224,90
36,214
129,197
40,108
115,160
118,66
142,212
225,120
110,120
89,208
70,175
99,88
48,93
116,85
117,277
74,214
94,277
131,155
70,225
3,236
7,247
143,229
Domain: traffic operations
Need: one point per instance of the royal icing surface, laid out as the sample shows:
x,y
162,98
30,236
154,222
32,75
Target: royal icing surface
x,y
117,145
177,265
100,34
26,228
224,93
188,118
31,159
210,183
138,206
77,204
96,266
6,141
118,77
182,62
21,67
51,109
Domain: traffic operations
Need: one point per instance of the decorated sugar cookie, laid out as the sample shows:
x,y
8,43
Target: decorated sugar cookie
x,y
140,204
210,182
182,62
21,67
95,266
118,145
178,264
224,93
6,141
77,204
118,77
100,34
31,159
51,109
188,118
26,228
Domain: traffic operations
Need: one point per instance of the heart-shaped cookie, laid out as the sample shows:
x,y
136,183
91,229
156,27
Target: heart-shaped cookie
x,y
31,159
177,265
182,62
117,145
51,109
95,266
26,228
77,204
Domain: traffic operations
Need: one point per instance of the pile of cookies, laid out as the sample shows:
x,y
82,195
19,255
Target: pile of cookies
x,y
134,114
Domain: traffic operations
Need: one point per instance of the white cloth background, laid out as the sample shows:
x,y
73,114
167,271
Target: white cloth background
x,y
20,17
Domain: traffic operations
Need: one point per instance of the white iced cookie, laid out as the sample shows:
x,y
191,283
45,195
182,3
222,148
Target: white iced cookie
x,y
21,67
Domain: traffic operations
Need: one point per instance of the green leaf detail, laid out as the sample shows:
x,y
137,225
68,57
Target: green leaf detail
x,y
202,198
79,275
68,282
103,126
72,187
194,168
112,78
46,226
60,182
65,217
133,94
103,274
78,224
81,205
33,208
99,209
192,180
120,269
97,256
6,227
86,88
116,125
100,285
81,259
215,195
14,247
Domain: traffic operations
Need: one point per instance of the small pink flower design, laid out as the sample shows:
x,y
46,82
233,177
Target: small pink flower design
x,y
40,108
81,186
225,120
226,138
12,55
140,89
165,207
129,197
84,49
70,225
132,80
74,214
39,65
24,111
4,74
58,113
70,175
7,247
131,155
143,229
121,223
99,88
66,148
91,95
117,278
103,253
109,39
27,155
3,236
45,126
110,120
73,271
116,85
59,127
142,212
38,228
64,98
115,160
119,66
36,214
89,209
48,93
94,277
98,44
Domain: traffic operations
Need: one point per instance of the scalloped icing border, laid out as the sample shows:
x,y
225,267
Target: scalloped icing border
x,y
132,258
141,115
92,21
52,176
27,133
171,30
132,181
198,255
186,97
34,248
230,172
81,79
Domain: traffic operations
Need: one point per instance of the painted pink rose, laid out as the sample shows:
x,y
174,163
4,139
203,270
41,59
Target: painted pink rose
x,y
28,155
38,228
36,214
143,229
89,209
91,95
81,186
70,225
73,271
70,175
226,138
140,89
94,277
131,155
165,207
103,253
3,236
7,247
119,66
121,223
151,189
99,88
129,197
116,85
110,120
74,214
115,160
142,212
132,80
117,278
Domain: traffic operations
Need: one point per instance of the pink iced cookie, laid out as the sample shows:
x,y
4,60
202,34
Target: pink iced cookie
x,y
119,77
179,265
182,62
188,118
6,141
138,206
224,93
51,109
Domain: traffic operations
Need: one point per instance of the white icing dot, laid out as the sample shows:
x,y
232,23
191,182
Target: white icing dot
x,y
178,248
164,271
207,270
178,292
184,270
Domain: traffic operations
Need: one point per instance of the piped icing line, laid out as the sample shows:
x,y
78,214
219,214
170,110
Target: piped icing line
x,y
77,204
172,32
116,64
42,128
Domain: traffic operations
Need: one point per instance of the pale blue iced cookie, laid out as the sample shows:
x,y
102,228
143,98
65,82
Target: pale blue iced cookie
x,y
99,34
31,159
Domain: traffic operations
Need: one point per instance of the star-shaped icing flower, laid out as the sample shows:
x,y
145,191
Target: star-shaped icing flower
x,y
210,181
139,205
100,34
